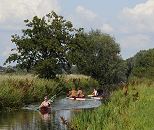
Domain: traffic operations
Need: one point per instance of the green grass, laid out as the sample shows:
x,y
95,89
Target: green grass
x,y
122,112
18,90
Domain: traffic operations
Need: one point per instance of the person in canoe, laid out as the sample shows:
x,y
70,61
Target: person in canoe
x,y
94,93
68,93
80,93
44,107
72,93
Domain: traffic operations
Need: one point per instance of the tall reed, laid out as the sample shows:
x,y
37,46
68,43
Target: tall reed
x,y
133,111
18,90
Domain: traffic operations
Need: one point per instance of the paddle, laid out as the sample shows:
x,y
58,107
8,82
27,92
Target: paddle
x,y
54,96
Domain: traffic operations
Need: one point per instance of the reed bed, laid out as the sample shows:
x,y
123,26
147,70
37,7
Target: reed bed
x,y
19,90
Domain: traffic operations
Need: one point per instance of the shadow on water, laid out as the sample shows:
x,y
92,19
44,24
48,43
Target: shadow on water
x,y
31,119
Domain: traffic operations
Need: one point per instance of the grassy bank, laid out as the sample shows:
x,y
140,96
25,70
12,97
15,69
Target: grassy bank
x,y
18,90
132,112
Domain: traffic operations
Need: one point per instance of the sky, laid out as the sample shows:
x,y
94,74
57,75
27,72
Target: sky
x,y
130,22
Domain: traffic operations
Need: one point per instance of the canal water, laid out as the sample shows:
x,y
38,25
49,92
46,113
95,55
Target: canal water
x,y
29,118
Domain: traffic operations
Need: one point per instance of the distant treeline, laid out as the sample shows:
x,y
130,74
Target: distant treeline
x,y
142,64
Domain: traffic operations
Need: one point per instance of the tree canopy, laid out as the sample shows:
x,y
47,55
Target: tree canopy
x,y
98,56
143,64
50,44
44,45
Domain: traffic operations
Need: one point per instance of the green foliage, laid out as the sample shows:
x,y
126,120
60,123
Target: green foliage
x,y
18,90
51,45
44,45
87,84
122,112
9,70
10,97
98,56
143,64
129,64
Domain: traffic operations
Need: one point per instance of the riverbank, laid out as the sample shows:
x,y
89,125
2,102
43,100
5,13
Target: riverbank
x,y
133,111
19,90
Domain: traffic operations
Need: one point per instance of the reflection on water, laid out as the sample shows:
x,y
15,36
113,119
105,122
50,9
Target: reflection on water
x,y
30,119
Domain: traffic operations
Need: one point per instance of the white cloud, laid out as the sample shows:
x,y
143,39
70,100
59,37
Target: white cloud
x,y
138,41
140,17
131,44
86,14
107,28
13,12
88,19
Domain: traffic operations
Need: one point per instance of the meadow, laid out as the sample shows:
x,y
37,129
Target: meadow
x,y
133,111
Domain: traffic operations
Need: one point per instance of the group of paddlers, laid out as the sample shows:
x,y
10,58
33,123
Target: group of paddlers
x,y
79,93
73,94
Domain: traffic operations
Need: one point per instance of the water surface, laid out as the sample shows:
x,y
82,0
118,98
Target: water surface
x,y
29,118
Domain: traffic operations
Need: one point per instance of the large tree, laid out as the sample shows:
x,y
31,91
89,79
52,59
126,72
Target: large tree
x,y
44,45
98,56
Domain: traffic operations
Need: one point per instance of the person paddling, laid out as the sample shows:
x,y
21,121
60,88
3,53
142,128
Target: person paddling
x,y
94,93
80,93
44,107
73,93
45,103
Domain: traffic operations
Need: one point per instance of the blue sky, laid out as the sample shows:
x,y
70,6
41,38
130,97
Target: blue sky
x,y
129,21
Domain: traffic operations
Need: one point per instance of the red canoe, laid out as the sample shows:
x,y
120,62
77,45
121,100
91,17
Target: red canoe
x,y
45,110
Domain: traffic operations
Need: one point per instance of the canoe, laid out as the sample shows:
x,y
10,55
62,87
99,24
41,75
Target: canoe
x,y
90,95
78,99
45,110
97,98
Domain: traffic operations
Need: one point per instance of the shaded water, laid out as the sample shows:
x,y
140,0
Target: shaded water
x,y
30,118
